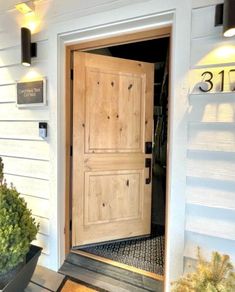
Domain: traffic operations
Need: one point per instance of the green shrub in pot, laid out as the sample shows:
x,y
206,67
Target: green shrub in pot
x,y
17,227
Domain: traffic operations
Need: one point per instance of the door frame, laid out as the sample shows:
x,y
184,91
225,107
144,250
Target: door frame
x,y
91,45
92,28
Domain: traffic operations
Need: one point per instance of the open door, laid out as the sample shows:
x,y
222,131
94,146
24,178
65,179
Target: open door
x,y
112,121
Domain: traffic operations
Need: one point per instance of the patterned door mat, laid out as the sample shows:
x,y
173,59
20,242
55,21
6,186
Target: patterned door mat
x,y
143,253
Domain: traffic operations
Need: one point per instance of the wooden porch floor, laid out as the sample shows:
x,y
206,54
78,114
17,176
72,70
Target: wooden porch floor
x,y
95,274
45,280
107,276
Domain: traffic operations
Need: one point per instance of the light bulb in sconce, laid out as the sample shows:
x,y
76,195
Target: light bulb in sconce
x,y
229,33
225,15
229,18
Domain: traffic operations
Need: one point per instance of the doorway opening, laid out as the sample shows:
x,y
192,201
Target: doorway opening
x,y
144,253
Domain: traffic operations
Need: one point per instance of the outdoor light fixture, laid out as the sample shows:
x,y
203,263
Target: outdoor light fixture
x,y
225,15
28,49
25,7
229,18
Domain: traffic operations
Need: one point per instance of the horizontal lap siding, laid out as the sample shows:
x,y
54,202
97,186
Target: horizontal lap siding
x,y
202,55
222,135
8,40
25,155
212,108
12,56
22,114
11,74
40,207
210,191
211,165
43,241
37,169
30,186
203,23
8,93
22,148
213,222
23,130
44,225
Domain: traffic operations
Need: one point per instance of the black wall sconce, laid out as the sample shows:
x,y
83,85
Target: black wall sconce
x,y
229,18
28,49
225,15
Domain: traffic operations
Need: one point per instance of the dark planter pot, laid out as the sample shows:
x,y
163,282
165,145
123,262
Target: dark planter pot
x,y
21,279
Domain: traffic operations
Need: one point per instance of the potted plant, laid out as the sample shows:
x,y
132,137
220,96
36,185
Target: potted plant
x,y
18,258
214,276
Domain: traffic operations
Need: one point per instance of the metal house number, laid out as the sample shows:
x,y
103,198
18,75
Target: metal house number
x,y
208,78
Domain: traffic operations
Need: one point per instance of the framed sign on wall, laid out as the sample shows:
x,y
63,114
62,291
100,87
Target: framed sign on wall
x,y
31,93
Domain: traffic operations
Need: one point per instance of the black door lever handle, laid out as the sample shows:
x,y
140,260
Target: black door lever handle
x,y
148,165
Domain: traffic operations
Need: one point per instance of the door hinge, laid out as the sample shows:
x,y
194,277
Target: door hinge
x,y
70,225
71,74
71,150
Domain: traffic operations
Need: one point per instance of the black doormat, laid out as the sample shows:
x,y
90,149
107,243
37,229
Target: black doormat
x,y
143,253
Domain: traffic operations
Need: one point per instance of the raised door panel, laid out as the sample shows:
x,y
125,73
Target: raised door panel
x,y
113,196
114,116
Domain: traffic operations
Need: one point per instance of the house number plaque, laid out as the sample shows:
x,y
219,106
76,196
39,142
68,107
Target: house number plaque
x,y
209,77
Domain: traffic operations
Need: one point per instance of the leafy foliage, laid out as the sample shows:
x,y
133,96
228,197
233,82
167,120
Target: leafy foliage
x,y
17,226
214,276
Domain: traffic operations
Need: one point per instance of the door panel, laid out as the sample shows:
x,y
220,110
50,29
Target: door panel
x,y
114,123
112,119
110,194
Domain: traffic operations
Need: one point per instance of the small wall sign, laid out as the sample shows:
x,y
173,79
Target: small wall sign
x,y
31,93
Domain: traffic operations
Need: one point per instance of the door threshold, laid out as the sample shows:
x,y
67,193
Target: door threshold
x,y
119,265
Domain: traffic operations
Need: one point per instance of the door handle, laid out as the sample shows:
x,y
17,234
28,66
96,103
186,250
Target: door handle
x,y
148,165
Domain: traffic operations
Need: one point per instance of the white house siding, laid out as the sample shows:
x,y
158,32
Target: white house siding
x,y
25,155
210,191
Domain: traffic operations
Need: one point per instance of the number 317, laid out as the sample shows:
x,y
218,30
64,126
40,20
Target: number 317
x,y
208,79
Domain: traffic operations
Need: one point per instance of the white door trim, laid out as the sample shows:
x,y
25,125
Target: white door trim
x,y
178,107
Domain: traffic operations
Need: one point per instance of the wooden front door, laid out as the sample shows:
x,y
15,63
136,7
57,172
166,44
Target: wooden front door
x,y
112,120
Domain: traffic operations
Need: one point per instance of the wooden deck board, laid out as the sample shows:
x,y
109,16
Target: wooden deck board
x,y
97,279
97,274
47,278
71,286
119,265
124,275
35,288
